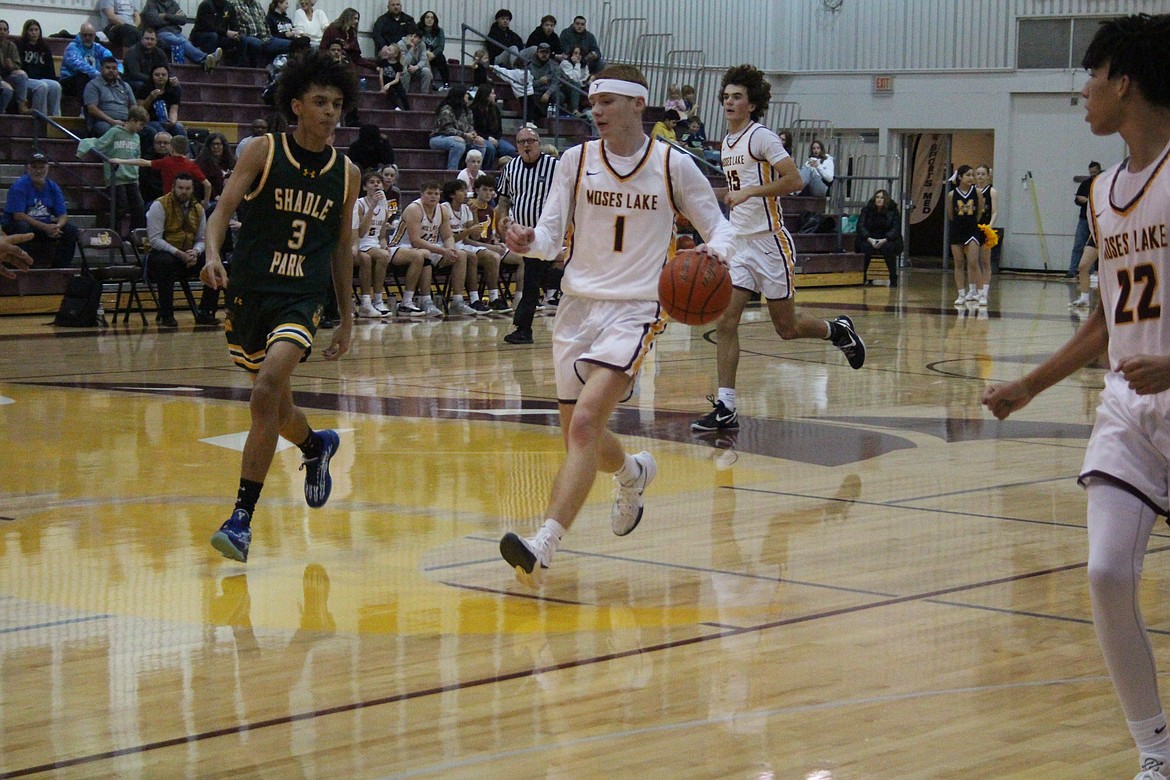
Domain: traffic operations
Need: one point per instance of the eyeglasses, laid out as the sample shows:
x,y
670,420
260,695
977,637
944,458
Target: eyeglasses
x,y
526,141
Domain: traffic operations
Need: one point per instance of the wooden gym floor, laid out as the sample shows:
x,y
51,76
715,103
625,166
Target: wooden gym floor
x,y
873,579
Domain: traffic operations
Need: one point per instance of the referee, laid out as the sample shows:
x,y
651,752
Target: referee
x,y
524,185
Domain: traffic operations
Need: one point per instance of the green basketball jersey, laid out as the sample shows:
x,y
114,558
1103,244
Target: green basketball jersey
x,y
290,224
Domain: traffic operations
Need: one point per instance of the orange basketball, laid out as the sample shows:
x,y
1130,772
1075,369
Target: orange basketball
x,y
694,288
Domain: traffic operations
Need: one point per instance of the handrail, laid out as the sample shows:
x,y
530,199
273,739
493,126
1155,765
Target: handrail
x,y
465,28
716,169
80,182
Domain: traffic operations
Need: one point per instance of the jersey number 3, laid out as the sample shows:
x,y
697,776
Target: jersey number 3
x,y
298,237
1147,277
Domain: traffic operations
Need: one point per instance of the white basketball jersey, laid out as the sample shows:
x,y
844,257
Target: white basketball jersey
x,y
461,219
623,223
377,222
1134,257
429,227
749,159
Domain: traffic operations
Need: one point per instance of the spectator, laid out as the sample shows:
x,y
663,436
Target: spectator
x,y
390,71
474,162
434,40
481,68
254,26
689,99
542,74
280,26
149,179
414,61
176,225
786,141
577,35
879,231
122,143
82,61
216,161
546,32
259,129
11,68
217,26
310,20
674,100
455,129
817,171
1082,235
178,162
577,75
392,26
501,38
107,99
167,19
122,22
37,59
695,140
372,149
141,59
35,204
665,127
161,99
488,122
344,29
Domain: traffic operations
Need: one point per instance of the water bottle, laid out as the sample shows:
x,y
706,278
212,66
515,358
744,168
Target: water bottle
x,y
552,109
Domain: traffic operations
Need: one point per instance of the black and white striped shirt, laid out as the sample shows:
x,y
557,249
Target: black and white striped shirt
x,y
527,187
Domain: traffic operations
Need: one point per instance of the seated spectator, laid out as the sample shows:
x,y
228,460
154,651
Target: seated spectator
x,y
11,68
35,204
455,129
547,33
254,27
689,98
372,149
501,39
122,22
879,230
149,179
167,19
176,225
392,26
216,161
480,258
161,99
577,35
141,59
546,89
817,171
344,29
415,64
481,68
695,140
259,129
311,21
370,253
434,40
44,90
82,61
665,127
107,99
217,26
484,208
473,161
489,123
675,101
575,72
786,140
122,143
280,26
390,72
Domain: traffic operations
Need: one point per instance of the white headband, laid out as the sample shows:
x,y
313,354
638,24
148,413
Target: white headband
x,y
619,87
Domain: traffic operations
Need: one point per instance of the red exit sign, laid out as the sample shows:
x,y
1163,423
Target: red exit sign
x,y
883,85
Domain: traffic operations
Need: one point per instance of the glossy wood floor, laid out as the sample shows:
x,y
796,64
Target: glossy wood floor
x,y
873,579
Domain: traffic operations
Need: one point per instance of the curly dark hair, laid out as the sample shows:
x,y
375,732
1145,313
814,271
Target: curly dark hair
x,y
1138,47
314,68
751,78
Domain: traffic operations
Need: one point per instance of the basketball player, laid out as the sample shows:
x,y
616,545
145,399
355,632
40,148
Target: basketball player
x,y
12,256
1126,464
370,255
295,196
425,227
758,172
619,194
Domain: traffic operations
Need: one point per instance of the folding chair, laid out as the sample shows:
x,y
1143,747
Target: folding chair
x,y
118,270
141,246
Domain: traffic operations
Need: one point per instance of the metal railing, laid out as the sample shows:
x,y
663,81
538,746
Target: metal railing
x,y
104,192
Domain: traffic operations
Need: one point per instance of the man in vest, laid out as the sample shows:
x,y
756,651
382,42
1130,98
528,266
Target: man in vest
x,y
175,226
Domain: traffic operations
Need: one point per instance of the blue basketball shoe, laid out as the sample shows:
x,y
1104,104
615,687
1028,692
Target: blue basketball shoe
x,y
317,480
234,536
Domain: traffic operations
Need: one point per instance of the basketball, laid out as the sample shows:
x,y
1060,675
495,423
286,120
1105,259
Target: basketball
x,y
694,288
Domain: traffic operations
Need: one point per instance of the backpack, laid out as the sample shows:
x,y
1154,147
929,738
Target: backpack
x,y
80,304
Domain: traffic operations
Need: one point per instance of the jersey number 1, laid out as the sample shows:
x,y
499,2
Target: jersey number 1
x,y
619,233
1146,309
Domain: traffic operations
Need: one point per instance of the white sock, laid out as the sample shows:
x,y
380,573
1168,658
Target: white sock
x,y
1152,737
377,299
549,536
408,298
970,288
726,396
629,472
365,300
426,301
456,298
473,296
985,290
493,295
548,295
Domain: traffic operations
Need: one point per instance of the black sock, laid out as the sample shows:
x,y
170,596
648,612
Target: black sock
x,y
836,330
249,494
311,446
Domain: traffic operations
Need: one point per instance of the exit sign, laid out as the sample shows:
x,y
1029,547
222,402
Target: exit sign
x,y
883,85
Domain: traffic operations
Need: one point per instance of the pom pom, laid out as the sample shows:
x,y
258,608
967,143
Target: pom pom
x,y
990,237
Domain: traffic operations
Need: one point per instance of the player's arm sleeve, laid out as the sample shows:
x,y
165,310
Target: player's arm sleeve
x,y
558,208
696,200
